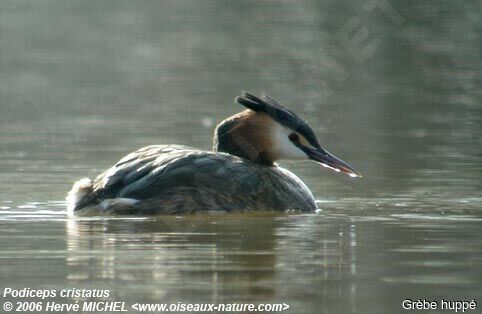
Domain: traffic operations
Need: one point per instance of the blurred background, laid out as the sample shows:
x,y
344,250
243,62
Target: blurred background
x,y
83,83
393,88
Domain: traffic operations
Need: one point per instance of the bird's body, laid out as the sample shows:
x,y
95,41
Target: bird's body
x,y
238,175
163,179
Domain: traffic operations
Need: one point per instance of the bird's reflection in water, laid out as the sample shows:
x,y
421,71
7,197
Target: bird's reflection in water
x,y
216,259
178,258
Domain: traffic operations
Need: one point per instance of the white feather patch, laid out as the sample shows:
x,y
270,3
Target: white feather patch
x,y
80,189
283,147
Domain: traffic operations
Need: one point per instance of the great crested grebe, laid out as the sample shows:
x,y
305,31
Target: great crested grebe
x,y
238,175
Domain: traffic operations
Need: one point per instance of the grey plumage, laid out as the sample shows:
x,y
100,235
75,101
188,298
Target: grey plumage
x,y
180,179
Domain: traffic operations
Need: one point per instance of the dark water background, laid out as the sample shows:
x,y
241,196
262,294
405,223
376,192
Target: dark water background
x,y
84,82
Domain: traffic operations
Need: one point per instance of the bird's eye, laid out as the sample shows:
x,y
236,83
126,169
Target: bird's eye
x,y
293,137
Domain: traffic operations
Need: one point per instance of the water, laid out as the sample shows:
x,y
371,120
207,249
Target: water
x,y
83,83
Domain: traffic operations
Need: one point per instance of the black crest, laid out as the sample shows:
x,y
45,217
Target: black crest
x,y
278,113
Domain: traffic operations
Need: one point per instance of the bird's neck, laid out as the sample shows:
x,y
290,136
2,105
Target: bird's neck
x,y
246,135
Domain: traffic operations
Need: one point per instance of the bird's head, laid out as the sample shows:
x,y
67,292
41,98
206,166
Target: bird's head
x,y
267,132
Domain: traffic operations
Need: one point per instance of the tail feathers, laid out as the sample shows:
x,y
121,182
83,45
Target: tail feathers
x,y
76,195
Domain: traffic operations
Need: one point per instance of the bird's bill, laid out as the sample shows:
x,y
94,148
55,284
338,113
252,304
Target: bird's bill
x,y
329,160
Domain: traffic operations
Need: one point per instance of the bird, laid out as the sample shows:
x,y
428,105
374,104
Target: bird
x,y
240,174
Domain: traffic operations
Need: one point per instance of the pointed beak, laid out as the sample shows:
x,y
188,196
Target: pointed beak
x,y
329,160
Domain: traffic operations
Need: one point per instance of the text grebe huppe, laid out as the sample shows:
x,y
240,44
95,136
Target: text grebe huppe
x,y
239,175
